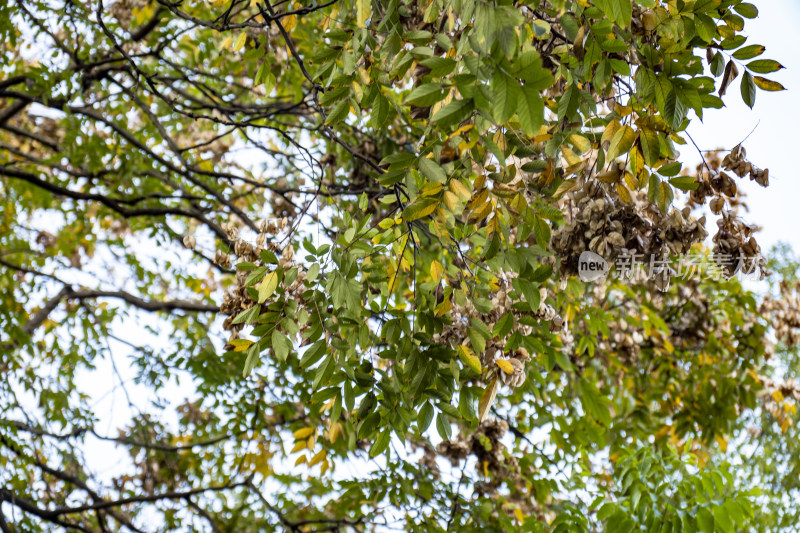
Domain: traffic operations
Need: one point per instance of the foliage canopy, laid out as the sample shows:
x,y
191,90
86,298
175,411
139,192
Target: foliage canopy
x,y
350,232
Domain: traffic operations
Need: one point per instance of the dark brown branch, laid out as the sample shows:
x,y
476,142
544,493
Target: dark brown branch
x,y
7,113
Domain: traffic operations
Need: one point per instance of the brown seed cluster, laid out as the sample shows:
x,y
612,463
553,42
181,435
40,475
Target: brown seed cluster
x,y
602,223
238,299
456,333
122,10
735,248
784,312
484,443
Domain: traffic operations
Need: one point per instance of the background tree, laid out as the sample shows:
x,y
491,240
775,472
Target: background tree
x,y
382,204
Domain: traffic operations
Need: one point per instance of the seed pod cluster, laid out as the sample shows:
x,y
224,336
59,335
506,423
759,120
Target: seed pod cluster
x,y
735,248
602,223
238,299
784,312
456,332
485,444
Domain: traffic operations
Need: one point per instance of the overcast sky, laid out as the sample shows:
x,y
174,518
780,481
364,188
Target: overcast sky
x,y
776,119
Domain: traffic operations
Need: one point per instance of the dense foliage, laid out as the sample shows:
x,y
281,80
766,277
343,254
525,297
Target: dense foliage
x,y
348,234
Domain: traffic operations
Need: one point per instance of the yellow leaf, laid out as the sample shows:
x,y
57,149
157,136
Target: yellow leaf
x,y
300,460
304,433
436,271
467,357
463,129
226,42
623,110
311,442
298,446
624,193
319,456
431,189
239,42
518,515
423,207
450,201
768,85
777,396
459,189
505,365
363,11
500,140
267,286
621,143
487,399
443,308
543,135
610,131
581,143
289,22
240,345
334,432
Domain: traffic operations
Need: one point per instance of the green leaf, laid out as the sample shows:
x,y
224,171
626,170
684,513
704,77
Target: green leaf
x,y
453,113
746,10
432,170
443,426
748,90
530,111
281,345
749,52
381,443
424,417
705,520
503,326
764,66
594,403
722,520
685,183
531,294
541,231
252,359
425,95
650,145
248,316
568,103
670,169
507,93
338,113
313,272
313,354
421,208
717,64
675,110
